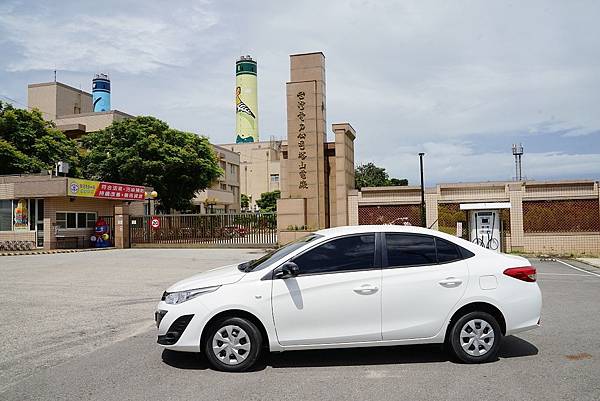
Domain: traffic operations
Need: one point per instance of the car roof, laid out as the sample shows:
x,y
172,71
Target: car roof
x,y
337,231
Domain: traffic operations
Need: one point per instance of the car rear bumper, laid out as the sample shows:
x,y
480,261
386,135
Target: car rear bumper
x,y
524,327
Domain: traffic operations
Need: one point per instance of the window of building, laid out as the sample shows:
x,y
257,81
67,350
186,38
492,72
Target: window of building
x,y
274,177
356,252
71,220
446,251
5,215
410,250
223,187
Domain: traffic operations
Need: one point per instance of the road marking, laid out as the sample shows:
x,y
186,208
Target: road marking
x,y
577,268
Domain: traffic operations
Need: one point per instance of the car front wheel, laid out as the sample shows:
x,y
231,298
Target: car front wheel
x,y
475,338
233,344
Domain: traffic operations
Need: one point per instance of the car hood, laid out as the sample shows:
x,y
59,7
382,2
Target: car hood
x,y
219,276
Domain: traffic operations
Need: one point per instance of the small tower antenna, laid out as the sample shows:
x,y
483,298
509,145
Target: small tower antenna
x,y
517,151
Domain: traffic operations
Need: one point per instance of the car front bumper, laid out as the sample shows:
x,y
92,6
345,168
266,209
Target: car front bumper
x,y
180,326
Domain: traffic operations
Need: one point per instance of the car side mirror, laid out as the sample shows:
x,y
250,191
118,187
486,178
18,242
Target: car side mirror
x,y
286,270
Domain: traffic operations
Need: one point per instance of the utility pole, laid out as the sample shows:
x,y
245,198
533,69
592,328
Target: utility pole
x,y
423,218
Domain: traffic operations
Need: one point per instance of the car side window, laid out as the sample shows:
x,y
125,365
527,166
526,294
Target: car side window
x,y
410,250
446,251
356,252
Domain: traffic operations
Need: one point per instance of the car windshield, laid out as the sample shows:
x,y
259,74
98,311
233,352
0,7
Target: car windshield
x,y
277,254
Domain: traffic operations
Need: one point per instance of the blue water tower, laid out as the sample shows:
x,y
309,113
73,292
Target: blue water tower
x,y
101,92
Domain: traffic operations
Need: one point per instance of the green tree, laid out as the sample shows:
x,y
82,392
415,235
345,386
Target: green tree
x,y
145,151
398,182
268,201
244,201
30,144
369,175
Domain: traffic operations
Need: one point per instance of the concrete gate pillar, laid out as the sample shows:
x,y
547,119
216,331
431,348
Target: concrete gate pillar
x,y
344,172
306,176
316,176
121,234
517,235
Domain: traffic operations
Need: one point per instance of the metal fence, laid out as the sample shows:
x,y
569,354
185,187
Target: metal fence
x,y
561,216
204,230
390,214
448,215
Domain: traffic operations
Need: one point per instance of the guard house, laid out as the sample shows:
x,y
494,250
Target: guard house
x,y
49,212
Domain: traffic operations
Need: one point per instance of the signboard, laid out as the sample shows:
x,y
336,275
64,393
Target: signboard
x,y
104,190
302,154
155,222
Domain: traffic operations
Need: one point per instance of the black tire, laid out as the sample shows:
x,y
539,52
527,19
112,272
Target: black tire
x,y
456,342
251,356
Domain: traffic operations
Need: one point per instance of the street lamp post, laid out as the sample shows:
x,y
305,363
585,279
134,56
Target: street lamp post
x,y
151,196
423,218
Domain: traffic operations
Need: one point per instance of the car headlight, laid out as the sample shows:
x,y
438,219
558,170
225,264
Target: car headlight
x,y
178,297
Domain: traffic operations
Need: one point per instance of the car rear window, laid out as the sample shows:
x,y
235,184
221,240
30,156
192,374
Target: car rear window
x,y
417,250
446,251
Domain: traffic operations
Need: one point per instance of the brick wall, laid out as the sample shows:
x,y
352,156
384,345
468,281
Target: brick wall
x,y
544,217
17,236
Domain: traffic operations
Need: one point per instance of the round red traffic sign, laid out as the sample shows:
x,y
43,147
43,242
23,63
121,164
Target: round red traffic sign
x,y
155,222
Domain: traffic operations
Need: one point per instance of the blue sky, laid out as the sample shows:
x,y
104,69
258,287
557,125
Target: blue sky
x,y
459,80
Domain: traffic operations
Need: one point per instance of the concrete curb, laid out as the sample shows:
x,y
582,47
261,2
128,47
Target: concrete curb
x,y
52,251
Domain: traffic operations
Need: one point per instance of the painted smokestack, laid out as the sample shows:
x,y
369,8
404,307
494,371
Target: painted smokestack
x,y
101,92
246,101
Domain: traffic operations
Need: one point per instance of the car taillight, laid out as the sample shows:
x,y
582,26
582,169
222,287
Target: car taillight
x,y
526,273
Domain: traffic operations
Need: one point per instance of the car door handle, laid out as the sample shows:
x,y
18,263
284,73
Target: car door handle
x,y
366,289
450,282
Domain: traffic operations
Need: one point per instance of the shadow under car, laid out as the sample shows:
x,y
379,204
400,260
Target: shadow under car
x,y
512,347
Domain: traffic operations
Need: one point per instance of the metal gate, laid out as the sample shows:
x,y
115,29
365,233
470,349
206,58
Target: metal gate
x,y
204,230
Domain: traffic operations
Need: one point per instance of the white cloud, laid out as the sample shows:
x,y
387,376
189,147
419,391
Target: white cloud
x,y
119,41
453,162
459,80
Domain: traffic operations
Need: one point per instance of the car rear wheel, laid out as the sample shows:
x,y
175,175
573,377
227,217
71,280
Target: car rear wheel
x,y
232,344
475,338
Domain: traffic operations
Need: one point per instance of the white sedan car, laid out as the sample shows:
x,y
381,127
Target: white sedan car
x,y
360,286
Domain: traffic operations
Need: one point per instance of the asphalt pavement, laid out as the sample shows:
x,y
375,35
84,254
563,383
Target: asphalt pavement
x,y
57,307
559,361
